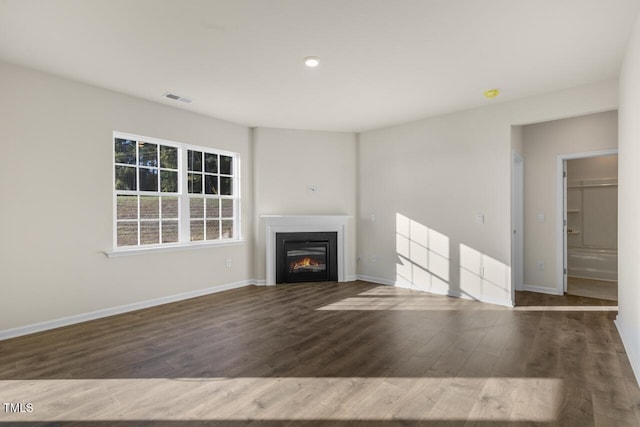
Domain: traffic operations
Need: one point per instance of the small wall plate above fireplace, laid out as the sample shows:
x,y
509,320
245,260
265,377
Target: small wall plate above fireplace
x,y
306,257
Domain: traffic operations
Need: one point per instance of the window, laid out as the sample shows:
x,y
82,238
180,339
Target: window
x,y
211,196
169,193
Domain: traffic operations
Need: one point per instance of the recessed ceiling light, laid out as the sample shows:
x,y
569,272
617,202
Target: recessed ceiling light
x,y
491,93
311,61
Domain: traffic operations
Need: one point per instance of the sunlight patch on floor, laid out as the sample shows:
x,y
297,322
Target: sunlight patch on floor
x,y
411,303
286,398
567,308
418,303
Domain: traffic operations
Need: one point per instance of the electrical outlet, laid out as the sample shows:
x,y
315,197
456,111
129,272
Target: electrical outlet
x,y
540,265
373,217
374,259
227,263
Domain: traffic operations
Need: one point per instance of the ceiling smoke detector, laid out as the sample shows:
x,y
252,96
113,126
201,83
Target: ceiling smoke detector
x,y
491,93
177,97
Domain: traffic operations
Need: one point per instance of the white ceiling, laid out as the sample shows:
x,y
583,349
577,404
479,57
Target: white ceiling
x,y
383,61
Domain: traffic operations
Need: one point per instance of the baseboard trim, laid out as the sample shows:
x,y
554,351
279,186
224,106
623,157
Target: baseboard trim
x,y
85,317
376,280
406,285
540,289
633,358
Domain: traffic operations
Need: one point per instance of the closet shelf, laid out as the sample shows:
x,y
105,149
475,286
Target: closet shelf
x,y
573,211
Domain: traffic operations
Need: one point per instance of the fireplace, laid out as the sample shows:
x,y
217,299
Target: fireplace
x,y
306,257
275,224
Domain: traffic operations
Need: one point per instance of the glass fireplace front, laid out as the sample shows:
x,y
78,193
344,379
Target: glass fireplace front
x,y
306,257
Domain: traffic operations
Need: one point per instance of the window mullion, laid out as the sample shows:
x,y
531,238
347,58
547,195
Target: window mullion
x,y
235,171
183,222
138,188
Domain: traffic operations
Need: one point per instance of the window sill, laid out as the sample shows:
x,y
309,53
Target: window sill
x,y
114,253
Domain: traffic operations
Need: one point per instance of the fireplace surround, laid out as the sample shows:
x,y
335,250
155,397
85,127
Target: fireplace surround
x,y
305,224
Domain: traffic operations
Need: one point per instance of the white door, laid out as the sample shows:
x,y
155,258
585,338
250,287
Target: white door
x,y
517,223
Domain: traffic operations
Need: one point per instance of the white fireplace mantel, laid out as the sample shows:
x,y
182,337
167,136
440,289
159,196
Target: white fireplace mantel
x,y
301,224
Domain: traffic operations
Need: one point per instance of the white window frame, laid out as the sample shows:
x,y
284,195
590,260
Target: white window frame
x,y
183,195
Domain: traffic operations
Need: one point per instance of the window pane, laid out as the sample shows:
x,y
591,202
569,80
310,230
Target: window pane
x,y
227,229
125,151
149,232
168,157
194,160
197,230
127,207
213,208
148,179
169,231
226,165
196,208
211,184
213,230
225,186
126,178
127,233
169,207
195,183
149,207
210,163
227,208
168,181
148,154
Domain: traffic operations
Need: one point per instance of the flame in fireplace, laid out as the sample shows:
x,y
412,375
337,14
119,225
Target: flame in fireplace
x,y
303,263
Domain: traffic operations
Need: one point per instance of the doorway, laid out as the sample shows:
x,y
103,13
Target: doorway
x,y
589,212
517,223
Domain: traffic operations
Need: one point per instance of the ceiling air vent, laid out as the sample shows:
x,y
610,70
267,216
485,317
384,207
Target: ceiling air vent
x,y
177,97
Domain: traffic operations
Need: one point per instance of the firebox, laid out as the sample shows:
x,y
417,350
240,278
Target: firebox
x,y
306,257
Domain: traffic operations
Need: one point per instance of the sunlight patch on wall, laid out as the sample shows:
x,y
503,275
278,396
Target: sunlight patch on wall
x,y
483,277
288,398
423,257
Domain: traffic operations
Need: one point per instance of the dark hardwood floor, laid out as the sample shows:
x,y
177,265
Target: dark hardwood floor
x,y
329,354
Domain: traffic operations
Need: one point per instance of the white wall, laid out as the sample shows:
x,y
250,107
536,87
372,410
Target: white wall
x,y
543,142
287,162
426,181
628,319
56,217
593,168
517,139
